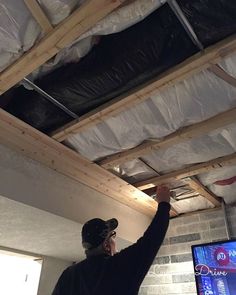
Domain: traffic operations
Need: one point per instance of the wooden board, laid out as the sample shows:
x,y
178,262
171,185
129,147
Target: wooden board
x,y
188,172
195,184
222,74
191,66
87,15
39,15
32,143
179,136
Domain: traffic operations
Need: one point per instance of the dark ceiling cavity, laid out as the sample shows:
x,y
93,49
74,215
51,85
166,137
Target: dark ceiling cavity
x,y
123,61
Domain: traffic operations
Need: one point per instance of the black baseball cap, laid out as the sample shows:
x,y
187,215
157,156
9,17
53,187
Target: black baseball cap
x,y
96,230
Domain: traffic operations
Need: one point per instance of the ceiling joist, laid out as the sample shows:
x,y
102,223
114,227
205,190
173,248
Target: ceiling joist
x,y
180,135
32,143
39,15
222,74
191,66
86,16
193,170
195,184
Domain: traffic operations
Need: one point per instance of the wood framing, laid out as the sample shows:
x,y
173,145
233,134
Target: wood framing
x,y
222,74
180,135
32,143
192,65
188,172
195,184
87,15
39,15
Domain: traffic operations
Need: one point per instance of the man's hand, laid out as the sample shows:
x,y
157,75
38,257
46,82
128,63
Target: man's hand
x,y
163,194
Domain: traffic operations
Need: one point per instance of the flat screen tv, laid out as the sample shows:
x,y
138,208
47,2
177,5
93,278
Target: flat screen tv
x,y
215,268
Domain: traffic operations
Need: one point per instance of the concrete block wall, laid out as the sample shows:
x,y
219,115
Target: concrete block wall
x,y
172,270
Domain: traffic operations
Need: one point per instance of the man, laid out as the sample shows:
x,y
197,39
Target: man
x,y
105,272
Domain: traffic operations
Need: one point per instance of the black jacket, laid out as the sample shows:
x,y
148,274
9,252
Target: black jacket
x,y
120,274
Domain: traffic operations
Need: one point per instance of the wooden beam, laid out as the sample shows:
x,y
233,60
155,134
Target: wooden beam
x,y
39,15
186,133
87,15
195,184
222,74
32,143
189,67
188,172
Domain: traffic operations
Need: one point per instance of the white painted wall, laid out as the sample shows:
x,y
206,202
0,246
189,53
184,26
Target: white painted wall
x,y
31,183
51,271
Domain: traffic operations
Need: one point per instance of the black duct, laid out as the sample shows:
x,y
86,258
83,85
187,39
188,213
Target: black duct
x,y
123,61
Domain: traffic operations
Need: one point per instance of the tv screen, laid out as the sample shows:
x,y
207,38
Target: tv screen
x,y
215,268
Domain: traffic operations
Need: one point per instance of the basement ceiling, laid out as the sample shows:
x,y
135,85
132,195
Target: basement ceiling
x,y
151,86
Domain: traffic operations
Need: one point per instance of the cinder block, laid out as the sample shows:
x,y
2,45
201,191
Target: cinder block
x,y
176,268
181,258
185,238
183,278
164,250
157,280
211,215
166,241
231,210
162,260
205,236
219,233
143,290
184,220
196,227
180,248
218,223
233,231
169,289
151,269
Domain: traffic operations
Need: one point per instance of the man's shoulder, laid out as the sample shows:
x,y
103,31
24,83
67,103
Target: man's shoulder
x,y
75,266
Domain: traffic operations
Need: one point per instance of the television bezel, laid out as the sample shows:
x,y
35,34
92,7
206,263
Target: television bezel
x,y
202,245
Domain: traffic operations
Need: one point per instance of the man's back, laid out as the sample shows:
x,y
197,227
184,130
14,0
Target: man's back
x,y
122,273
100,275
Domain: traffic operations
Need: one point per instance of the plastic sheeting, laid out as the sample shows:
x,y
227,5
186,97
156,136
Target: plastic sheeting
x,y
214,145
117,21
111,69
228,192
134,171
186,103
25,30
108,70
229,65
190,101
193,204
18,31
212,20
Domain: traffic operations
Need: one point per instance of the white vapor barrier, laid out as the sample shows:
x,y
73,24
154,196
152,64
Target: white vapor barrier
x,y
134,171
228,64
190,101
117,21
227,191
192,204
220,142
19,31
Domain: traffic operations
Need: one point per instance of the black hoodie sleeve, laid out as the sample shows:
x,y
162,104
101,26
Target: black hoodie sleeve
x,y
138,258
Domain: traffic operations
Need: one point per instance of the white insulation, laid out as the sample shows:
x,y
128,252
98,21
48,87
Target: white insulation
x,y
193,100
19,31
